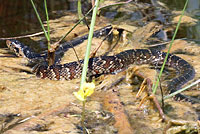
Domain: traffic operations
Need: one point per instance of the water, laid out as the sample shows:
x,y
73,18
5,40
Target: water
x,y
18,17
193,10
23,93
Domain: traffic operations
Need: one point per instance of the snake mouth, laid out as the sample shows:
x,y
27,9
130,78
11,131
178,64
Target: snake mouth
x,y
9,43
14,46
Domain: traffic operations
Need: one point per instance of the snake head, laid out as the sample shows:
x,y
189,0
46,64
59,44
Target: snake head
x,y
15,46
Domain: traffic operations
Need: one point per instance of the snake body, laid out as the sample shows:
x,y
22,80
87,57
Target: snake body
x,y
24,51
109,64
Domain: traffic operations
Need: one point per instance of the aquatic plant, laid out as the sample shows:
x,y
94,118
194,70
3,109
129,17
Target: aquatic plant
x,y
83,83
39,19
155,85
86,89
84,92
80,14
53,47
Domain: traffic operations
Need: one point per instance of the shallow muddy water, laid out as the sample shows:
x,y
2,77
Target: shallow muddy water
x,y
41,106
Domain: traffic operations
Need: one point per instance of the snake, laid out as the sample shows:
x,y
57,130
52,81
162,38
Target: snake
x,y
107,64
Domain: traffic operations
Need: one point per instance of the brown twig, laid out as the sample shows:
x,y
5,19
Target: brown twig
x,y
23,36
113,104
56,44
95,51
28,35
148,88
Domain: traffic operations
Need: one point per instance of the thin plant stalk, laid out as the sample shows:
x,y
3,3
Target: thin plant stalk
x,y
80,15
86,59
87,54
83,116
74,26
51,55
38,16
47,17
51,48
183,89
46,35
177,27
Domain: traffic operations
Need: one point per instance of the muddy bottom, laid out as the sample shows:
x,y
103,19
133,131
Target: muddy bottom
x,y
41,106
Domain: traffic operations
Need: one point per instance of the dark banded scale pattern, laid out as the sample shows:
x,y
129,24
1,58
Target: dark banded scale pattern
x,y
24,51
112,65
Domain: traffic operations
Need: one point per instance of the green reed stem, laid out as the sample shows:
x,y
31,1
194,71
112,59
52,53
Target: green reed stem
x,y
80,15
39,18
83,117
87,54
86,59
181,90
177,27
76,24
47,17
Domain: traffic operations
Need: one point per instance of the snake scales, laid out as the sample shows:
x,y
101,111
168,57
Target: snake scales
x,y
106,64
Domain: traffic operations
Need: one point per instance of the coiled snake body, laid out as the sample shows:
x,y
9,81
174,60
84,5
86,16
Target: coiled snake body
x,y
108,64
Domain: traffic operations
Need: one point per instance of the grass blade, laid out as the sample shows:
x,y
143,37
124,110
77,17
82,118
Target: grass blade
x,y
87,54
181,90
177,27
39,18
47,16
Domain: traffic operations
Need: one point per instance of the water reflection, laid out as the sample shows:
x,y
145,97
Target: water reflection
x,y
15,15
193,9
18,17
